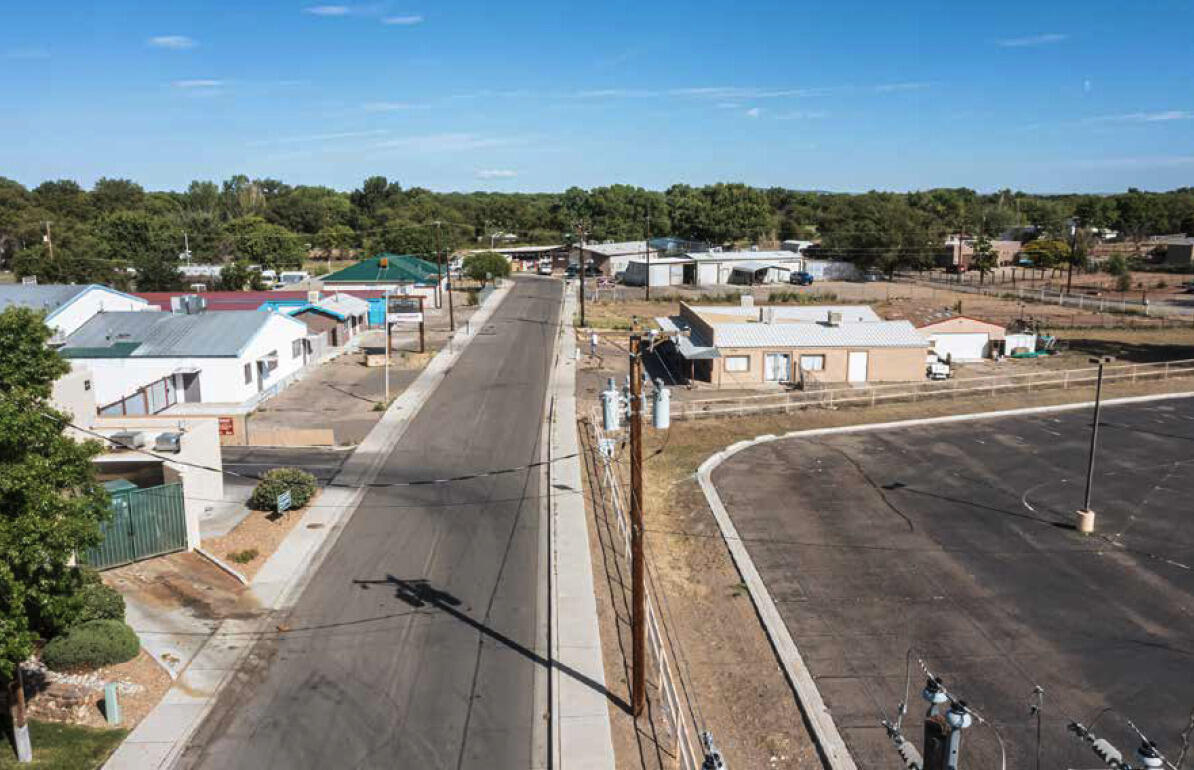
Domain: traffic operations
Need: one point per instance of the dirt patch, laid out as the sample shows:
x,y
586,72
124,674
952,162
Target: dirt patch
x,y
260,532
180,579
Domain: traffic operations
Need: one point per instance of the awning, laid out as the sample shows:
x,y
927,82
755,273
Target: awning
x,y
187,370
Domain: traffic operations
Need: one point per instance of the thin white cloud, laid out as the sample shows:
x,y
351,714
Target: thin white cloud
x,y
891,88
1146,161
33,53
1087,86
496,173
728,105
197,83
403,21
1032,41
753,112
328,10
1143,117
392,106
302,139
442,143
615,93
172,42
802,115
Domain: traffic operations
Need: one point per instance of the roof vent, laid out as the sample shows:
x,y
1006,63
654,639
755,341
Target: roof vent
x,y
384,262
835,318
767,315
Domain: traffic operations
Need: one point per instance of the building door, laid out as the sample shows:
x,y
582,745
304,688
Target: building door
x,y
190,388
856,366
777,367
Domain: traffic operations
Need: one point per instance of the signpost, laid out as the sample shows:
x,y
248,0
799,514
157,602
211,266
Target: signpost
x,y
284,502
405,309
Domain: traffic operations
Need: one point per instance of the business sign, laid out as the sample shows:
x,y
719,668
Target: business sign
x,y
226,427
404,309
284,501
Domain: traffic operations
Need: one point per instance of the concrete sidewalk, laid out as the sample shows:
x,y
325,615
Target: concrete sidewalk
x,y
580,714
159,739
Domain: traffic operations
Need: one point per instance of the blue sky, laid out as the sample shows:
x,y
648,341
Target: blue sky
x,y
534,95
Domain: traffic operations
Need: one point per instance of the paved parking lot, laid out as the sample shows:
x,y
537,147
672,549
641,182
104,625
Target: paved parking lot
x,y
956,540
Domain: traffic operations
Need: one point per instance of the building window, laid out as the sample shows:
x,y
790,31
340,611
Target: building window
x,y
812,363
86,384
296,349
737,364
248,374
271,361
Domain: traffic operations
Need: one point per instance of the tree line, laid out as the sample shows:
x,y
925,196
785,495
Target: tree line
x,y
117,232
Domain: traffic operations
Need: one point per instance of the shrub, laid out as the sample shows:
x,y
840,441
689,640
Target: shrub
x,y
265,495
471,298
99,602
245,556
91,645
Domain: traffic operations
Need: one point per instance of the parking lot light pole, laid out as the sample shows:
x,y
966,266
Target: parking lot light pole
x,y
1086,515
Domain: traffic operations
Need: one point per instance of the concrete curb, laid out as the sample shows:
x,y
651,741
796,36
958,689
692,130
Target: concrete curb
x,y
223,565
825,732
158,741
580,715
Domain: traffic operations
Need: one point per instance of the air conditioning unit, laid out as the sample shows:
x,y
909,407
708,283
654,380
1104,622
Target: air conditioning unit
x,y
835,318
128,439
168,442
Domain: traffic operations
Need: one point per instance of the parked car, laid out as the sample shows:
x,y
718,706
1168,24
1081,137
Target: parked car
x,y
544,266
955,269
591,270
801,278
571,271
873,275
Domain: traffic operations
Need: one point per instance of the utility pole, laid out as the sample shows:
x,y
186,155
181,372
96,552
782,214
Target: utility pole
x,y
388,342
580,241
49,239
638,616
439,273
186,246
648,252
20,727
451,310
1086,516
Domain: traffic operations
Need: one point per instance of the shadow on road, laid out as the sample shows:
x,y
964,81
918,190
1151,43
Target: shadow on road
x,y
419,593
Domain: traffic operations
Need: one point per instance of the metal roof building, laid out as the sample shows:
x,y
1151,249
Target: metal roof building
x,y
387,269
167,335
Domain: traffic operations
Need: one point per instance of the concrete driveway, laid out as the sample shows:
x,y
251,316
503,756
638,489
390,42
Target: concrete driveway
x,y
956,540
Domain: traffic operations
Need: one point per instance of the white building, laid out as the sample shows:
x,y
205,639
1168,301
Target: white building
x,y
68,307
147,363
184,450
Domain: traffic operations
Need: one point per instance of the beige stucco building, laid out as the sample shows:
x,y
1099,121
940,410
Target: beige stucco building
x,y
740,347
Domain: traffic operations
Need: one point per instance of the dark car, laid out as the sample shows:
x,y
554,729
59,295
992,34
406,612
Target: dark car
x,y
591,270
801,278
571,271
955,269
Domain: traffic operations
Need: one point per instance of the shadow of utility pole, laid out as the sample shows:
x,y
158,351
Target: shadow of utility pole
x,y
419,593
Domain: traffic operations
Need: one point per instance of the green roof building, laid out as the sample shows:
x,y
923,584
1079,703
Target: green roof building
x,y
386,269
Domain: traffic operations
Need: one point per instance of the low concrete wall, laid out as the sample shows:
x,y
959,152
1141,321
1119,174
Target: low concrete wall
x,y
290,437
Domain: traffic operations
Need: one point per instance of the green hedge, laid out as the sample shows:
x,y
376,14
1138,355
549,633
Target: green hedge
x,y
300,483
91,645
99,602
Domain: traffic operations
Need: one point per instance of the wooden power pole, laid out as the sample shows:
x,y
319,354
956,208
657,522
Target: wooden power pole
x,y
638,617
580,233
440,257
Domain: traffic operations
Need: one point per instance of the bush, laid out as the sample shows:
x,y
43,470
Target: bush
x,y
300,483
91,645
471,298
245,556
99,602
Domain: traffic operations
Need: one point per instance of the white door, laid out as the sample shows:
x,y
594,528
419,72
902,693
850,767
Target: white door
x,y
856,366
777,367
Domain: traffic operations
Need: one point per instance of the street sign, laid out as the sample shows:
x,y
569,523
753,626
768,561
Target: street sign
x,y
398,318
284,501
404,309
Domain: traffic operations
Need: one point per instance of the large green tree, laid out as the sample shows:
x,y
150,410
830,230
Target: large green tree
x,y
50,503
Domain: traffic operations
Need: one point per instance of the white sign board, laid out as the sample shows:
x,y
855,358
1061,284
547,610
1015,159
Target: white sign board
x,y
397,318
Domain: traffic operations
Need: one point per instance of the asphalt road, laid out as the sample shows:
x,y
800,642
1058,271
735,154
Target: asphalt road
x,y
957,540
427,602
324,464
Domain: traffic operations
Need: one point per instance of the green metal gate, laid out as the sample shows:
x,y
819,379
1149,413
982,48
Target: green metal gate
x,y
145,522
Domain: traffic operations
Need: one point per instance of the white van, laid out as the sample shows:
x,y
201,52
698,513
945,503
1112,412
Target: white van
x,y
544,267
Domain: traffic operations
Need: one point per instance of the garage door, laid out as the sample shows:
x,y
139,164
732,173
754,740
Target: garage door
x,y
961,347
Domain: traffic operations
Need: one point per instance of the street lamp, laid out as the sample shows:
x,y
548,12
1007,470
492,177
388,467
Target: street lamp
x,y
1086,516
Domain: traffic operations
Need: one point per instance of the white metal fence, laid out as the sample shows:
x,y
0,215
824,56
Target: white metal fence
x,y
688,754
1049,296
880,394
